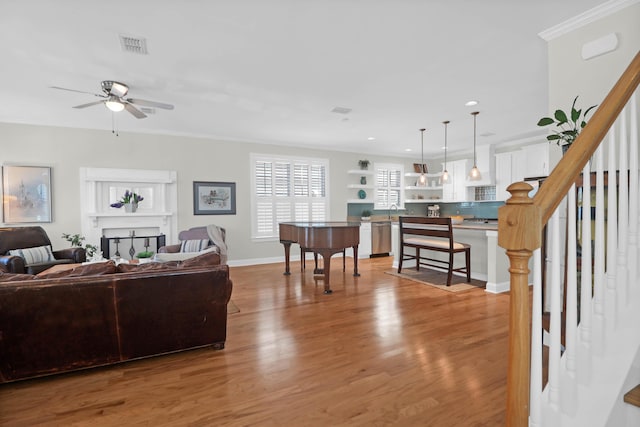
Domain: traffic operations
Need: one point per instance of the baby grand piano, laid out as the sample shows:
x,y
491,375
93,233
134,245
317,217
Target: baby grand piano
x,y
323,238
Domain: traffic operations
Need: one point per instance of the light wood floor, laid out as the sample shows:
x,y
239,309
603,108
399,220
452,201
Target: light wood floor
x,y
379,351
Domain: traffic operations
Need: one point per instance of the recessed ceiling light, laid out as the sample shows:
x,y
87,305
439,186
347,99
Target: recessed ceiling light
x,y
408,149
371,138
471,103
443,148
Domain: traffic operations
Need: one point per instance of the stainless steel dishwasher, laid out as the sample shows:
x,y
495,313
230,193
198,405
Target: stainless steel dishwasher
x,y
380,238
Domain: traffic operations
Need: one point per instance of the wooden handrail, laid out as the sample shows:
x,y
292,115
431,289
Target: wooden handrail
x,y
520,224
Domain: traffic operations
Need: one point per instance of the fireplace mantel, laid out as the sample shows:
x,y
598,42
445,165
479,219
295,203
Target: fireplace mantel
x,y
156,214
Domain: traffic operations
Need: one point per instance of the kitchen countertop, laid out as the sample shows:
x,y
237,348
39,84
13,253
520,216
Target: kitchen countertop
x,y
491,225
468,224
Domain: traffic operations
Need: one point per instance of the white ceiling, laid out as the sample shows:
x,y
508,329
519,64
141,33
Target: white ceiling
x,y
271,71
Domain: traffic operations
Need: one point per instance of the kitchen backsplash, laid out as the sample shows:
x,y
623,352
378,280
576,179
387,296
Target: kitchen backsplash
x,y
486,209
471,209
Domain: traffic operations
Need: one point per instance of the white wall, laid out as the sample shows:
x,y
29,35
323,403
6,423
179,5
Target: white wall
x,y
592,79
194,159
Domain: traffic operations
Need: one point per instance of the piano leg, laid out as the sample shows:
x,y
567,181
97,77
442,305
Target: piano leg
x,y
287,253
326,265
355,261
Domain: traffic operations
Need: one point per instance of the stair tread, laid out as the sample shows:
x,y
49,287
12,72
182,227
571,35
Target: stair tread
x,y
633,396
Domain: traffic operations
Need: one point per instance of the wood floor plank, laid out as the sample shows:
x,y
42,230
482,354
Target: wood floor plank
x,y
381,350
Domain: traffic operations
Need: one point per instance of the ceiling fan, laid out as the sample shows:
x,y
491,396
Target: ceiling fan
x,y
114,99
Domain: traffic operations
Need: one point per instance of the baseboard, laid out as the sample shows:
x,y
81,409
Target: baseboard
x,y
497,288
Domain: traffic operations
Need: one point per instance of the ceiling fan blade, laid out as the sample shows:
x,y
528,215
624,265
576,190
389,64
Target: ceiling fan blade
x,y
146,103
133,110
89,104
79,91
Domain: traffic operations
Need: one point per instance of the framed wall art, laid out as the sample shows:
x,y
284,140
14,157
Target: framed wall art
x,y
214,198
26,194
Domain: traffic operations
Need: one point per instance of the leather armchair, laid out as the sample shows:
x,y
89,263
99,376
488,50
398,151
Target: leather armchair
x,y
31,237
194,233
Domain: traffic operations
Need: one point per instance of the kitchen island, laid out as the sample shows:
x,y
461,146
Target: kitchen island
x,y
489,262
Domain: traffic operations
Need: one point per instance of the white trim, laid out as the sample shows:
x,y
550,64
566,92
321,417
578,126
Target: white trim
x,y
497,288
591,15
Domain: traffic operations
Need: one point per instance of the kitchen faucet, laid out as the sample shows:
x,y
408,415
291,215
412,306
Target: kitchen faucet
x,y
393,205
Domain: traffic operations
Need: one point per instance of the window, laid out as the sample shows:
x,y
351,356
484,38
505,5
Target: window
x,y
388,185
287,189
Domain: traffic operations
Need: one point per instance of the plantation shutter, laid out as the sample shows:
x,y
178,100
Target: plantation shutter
x,y
287,189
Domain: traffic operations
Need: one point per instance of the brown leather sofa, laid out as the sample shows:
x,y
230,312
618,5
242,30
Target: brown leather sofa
x,y
97,315
31,237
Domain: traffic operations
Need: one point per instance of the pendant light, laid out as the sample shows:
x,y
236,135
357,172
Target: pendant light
x,y
422,181
445,173
474,173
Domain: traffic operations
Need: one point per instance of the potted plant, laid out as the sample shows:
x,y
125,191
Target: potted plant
x,y
144,256
366,215
76,240
569,125
364,164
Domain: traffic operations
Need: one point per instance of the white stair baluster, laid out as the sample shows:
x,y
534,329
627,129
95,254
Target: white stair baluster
x,y
611,297
535,393
555,320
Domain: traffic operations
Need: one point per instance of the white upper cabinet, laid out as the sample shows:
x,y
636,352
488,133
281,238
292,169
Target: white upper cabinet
x,y
509,169
456,189
536,160
486,162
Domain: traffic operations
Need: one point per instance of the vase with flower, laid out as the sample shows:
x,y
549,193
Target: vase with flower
x,y
130,201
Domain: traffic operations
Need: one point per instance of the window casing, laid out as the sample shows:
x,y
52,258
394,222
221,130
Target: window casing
x,y
388,185
287,189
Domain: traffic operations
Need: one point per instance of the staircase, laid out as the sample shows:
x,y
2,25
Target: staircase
x,y
590,373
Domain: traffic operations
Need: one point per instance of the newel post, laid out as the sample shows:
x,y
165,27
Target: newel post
x,y
519,232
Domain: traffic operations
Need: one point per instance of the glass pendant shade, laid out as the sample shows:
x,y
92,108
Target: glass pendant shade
x,y
474,173
445,173
422,181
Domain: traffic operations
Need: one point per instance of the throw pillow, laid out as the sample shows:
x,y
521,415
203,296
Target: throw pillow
x,y
34,255
204,259
194,245
91,269
15,277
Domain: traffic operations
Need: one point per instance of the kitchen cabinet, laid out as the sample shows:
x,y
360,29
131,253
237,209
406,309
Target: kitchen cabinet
x,y
456,189
536,160
356,187
419,194
364,248
509,169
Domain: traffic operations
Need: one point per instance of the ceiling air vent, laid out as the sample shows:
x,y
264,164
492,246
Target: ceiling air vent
x,y
341,110
133,44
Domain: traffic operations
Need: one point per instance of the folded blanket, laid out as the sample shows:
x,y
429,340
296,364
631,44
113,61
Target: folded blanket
x,y
215,234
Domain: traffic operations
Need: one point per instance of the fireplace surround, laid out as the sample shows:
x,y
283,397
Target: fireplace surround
x,y
156,214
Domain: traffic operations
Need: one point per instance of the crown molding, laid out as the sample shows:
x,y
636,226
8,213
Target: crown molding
x,y
591,15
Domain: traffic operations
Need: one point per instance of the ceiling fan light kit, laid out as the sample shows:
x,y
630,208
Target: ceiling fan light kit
x,y
114,104
114,99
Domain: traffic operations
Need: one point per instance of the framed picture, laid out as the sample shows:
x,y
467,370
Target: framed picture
x,y
214,198
26,194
